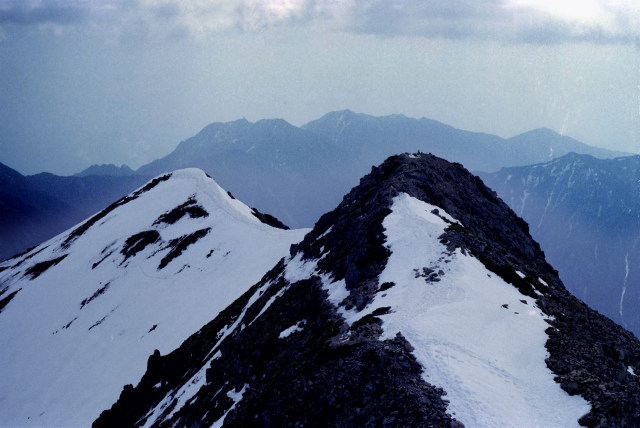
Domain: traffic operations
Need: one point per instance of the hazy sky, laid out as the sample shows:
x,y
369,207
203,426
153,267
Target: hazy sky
x,y
123,81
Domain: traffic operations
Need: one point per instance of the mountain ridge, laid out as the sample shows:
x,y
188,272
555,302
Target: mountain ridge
x,y
105,169
334,151
311,169
330,327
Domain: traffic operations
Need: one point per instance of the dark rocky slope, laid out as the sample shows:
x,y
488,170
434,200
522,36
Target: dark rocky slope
x,y
331,373
585,212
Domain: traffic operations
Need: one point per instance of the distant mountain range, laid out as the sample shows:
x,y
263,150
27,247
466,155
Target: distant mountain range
x,y
585,212
313,165
373,139
106,169
286,171
293,173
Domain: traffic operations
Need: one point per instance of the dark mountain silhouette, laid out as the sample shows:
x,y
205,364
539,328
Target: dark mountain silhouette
x,y
27,215
106,169
36,208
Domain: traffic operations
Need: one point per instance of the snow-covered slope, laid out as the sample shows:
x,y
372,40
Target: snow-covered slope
x,y
81,313
477,337
421,300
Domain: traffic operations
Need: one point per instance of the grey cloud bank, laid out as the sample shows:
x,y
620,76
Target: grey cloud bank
x,y
509,20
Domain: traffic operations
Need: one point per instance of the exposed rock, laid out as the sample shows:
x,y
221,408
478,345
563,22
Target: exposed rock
x,y
268,219
189,208
37,269
180,244
5,300
136,243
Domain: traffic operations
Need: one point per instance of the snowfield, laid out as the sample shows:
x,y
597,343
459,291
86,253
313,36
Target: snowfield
x,y
475,335
74,334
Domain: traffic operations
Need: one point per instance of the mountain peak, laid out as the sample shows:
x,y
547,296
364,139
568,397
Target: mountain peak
x,y
544,132
86,308
274,124
418,284
340,113
432,180
106,169
338,116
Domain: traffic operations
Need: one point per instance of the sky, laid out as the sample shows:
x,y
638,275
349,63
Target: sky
x,y
124,81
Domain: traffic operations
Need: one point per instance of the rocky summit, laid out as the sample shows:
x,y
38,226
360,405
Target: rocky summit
x,y
421,300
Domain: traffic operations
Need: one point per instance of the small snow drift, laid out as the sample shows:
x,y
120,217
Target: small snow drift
x,y
421,300
81,313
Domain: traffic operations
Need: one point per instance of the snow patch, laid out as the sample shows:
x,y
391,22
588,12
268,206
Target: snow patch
x,y
523,201
269,303
624,286
189,389
325,233
297,270
236,397
293,329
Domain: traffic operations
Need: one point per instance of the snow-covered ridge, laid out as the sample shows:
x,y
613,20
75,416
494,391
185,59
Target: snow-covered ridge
x,y
81,314
475,335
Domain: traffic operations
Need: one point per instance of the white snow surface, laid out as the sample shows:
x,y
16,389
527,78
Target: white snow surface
x,y
61,365
489,359
290,330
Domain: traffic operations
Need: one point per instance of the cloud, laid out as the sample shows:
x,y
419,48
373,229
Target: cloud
x,y
37,12
528,21
517,21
